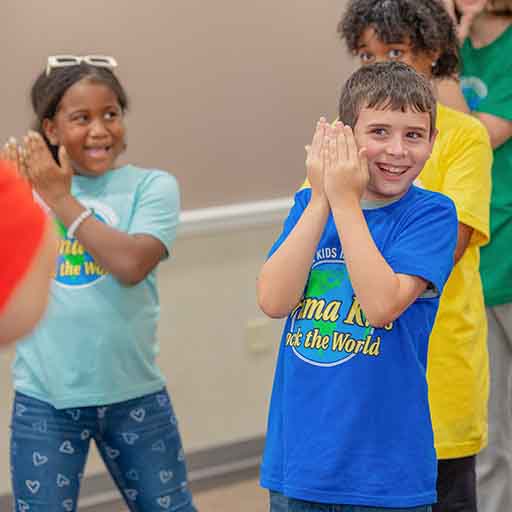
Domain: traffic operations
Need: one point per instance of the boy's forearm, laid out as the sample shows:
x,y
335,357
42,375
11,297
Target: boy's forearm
x,y
283,277
375,283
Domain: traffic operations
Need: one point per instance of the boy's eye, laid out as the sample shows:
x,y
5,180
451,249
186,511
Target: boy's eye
x,y
394,53
414,135
112,114
379,131
365,57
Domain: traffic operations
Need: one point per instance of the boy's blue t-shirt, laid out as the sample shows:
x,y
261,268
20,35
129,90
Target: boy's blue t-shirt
x,y
349,419
97,341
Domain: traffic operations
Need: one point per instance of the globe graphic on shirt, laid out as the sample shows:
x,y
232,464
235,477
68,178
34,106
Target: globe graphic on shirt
x,y
75,267
328,301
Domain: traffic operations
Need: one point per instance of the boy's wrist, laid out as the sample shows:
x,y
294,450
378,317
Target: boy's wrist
x,y
346,206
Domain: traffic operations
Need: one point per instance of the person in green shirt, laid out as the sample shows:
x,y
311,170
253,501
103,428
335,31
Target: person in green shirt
x,y
485,90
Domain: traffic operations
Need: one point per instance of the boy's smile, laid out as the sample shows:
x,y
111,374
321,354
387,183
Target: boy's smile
x,y
398,143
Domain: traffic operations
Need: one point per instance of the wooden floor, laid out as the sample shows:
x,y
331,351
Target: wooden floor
x,y
244,496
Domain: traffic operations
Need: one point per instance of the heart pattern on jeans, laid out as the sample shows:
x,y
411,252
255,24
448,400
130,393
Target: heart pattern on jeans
x,y
33,485
67,505
164,501
130,438
138,414
67,447
39,459
159,446
112,452
132,475
166,476
62,480
131,494
23,506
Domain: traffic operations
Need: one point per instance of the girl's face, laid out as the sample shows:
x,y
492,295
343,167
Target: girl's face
x,y
371,49
89,124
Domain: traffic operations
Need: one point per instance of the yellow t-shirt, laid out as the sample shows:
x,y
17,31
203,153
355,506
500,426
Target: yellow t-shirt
x,y
458,371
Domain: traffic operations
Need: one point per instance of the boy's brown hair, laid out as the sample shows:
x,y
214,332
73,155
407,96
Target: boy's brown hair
x,y
386,85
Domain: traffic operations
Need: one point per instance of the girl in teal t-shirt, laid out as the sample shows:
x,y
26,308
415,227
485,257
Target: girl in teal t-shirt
x,y
88,371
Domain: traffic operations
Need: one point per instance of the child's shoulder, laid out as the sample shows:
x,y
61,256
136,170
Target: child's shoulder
x,y
452,123
421,202
141,176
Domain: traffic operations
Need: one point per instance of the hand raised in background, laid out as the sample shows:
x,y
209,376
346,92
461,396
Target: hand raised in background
x,y
346,166
468,12
14,154
51,181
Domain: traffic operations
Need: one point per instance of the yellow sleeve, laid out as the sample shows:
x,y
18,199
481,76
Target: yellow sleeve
x,y
466,166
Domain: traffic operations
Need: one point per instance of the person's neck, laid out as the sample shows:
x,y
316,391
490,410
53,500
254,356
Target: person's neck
x,y
487,27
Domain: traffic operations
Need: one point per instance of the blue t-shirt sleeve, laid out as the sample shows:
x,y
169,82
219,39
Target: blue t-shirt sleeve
x,y
157,208
300,202
425,244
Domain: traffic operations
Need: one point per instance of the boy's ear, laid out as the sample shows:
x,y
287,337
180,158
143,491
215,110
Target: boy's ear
x,y
433,138
50,132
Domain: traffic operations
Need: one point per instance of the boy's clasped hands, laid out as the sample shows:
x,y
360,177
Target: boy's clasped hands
x,y
336,169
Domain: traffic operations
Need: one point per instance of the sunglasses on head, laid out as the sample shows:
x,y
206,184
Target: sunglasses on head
x,y
62,61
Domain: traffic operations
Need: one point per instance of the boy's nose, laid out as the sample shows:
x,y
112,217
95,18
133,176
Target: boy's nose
x,y
396,146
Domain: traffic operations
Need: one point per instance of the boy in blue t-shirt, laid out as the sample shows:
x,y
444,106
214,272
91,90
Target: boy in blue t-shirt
x,y
358,271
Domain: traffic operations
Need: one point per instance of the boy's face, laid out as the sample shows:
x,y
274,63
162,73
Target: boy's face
x,y
371,49
398,144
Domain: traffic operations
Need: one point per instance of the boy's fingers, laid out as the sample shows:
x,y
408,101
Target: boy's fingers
x,y
363,159
342,145
333,150
352,151
318,136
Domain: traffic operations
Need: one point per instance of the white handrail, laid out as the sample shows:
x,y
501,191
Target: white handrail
x,y
215,219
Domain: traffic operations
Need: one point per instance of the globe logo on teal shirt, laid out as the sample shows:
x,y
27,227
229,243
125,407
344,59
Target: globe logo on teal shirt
x,y
75,266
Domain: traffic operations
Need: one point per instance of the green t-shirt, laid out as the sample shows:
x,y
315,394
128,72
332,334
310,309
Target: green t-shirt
x,y
486,81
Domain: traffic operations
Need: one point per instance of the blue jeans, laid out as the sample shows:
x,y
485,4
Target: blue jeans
x,y
280,503
138,440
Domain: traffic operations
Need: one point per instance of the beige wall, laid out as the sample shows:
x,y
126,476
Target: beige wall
x,y
224,95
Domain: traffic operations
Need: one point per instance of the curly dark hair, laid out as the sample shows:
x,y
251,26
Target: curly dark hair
x,y
48,90
425,23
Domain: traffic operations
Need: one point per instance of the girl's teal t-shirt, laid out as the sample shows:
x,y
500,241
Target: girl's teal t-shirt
x,y
97,342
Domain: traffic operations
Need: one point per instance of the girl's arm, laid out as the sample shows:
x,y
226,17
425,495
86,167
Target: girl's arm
x,y
450,94
128,257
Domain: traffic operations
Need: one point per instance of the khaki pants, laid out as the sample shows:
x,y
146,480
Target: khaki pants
x,y
494,463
